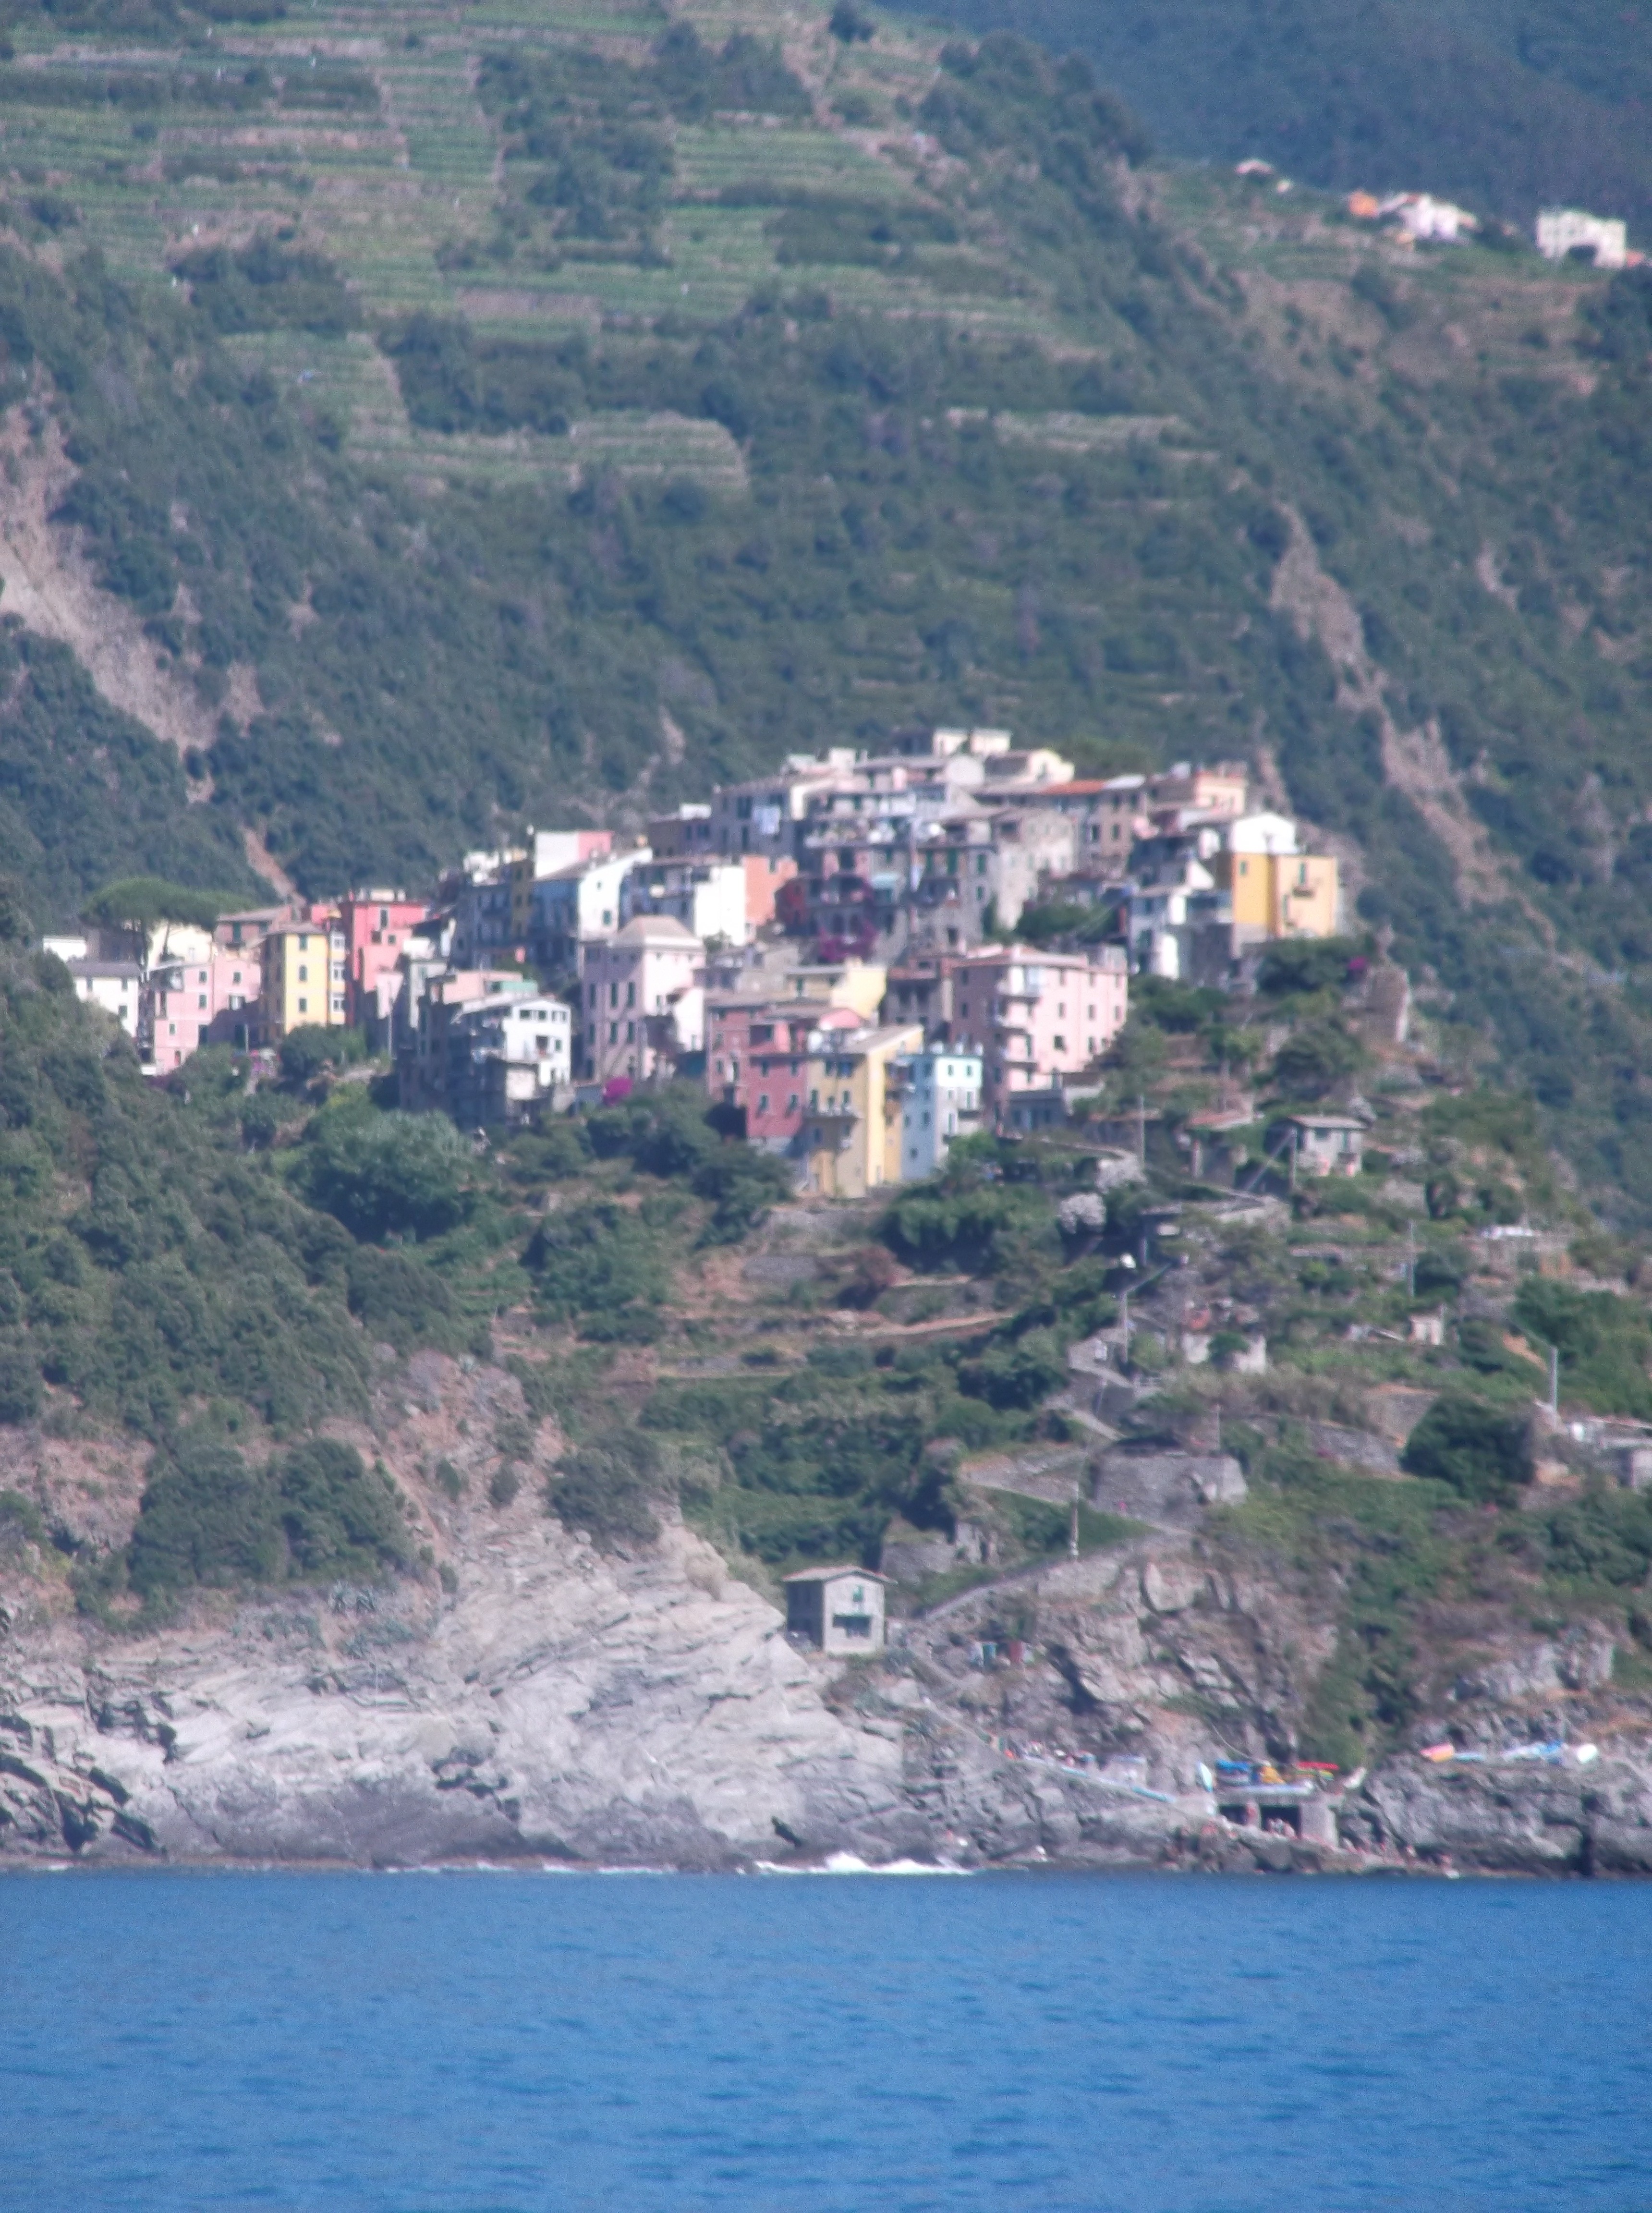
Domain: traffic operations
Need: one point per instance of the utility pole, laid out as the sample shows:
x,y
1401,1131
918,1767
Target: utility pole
x,y
1140,1127
1072,1538
1293,1156
1124,1318
1554,1380
1410,1259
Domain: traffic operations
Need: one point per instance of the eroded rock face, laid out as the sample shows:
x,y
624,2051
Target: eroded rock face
x,y
561,1705
550,1702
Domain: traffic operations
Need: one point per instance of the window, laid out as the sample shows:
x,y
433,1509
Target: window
x,y
304,974
631,1033
613,1033
791,1102
763,1103
630,995
235,978
172,1029
1060,1044
613,995
384,920
200,999
591,997
303,1006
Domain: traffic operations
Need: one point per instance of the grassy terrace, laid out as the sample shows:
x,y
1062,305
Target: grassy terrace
x,y
392,170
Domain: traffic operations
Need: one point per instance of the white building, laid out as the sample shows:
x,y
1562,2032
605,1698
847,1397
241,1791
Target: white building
x,y
1429,220
114,986
643,994
506,1056
836,1609
941,1102
1560,231
707,897
574,905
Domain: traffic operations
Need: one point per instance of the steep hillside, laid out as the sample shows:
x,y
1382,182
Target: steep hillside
x,y
460,421
1505,104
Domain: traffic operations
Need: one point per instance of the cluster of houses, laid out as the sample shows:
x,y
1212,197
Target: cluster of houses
x,y
831,949
1563,233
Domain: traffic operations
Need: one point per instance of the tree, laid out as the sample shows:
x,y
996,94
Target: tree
x,y
1316,1059
848,23
1472,1447
386,1175
136,905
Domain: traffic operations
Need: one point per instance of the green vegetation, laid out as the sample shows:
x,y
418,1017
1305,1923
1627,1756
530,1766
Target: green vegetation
x,y
1052,491
1508,107
316,1515
1474,1450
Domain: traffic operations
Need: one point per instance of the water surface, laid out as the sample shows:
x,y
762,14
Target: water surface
x,y
480,2043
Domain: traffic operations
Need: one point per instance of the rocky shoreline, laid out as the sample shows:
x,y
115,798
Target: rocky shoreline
x,y
567,1709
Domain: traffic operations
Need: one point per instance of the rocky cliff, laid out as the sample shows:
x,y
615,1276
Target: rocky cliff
x,y
543,1700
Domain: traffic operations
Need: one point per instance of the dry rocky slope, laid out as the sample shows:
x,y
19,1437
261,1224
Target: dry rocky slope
x,y
556,1705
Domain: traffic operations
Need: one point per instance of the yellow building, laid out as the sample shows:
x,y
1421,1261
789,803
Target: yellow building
x,y
1283,895
851,1130
1276,891
857,984
304,982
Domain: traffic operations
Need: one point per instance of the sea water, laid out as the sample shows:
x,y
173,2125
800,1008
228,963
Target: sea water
x,y
483,2043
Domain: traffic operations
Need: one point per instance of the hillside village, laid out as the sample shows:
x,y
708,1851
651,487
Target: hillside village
x,y
862,957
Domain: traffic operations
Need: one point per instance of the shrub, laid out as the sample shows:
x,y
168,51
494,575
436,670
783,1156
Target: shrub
x,y
504,1485
1480,1453
743,1182
608,1490
1019,1375
314,1046
386,1175
341,1518
399,1299
1294,965
206,1517
448,1480
1316,1059
20,1382
1604,1342
1603,1537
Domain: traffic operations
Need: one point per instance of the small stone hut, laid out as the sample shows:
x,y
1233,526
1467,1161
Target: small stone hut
x,y
838,1609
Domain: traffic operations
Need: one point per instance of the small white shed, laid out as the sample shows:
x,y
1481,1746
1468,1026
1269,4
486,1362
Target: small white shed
x,y
838,1609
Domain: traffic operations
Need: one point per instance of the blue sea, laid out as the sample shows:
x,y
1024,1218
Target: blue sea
x,y
503,2043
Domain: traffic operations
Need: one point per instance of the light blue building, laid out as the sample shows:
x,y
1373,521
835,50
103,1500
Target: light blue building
x,y
940,1102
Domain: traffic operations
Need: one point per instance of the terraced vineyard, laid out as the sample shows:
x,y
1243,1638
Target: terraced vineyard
x,y
362,138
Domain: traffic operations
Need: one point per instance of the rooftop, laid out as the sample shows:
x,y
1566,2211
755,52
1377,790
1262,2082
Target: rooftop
x,y
826,1574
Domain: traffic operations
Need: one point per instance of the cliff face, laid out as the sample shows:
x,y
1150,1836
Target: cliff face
x,y
562,1706
544,1700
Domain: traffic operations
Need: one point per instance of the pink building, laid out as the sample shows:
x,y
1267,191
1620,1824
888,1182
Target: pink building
x,y
643,995
190,1003
756,1060
376,926
1037,1016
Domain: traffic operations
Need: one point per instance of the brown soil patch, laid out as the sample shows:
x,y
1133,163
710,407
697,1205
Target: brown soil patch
x,y
49,583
